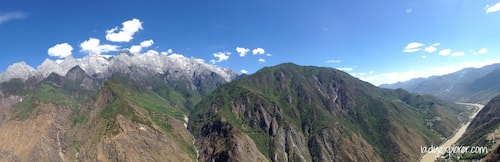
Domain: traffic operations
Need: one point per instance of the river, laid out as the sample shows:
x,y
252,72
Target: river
x,y
430,157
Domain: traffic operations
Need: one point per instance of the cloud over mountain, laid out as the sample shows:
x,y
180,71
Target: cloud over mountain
x,y
242,51
143,44
221,56
126,33
93,46
60,50
258,51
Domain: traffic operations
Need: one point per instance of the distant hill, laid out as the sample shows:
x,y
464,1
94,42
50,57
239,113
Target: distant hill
x,y
474,85
304,113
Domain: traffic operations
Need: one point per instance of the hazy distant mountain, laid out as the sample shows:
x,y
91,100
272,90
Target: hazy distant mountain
x,y
475,85
297,113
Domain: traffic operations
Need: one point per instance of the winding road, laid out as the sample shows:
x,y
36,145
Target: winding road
x,y
430,157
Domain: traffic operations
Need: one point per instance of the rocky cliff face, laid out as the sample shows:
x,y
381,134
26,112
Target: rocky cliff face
x,y
295,113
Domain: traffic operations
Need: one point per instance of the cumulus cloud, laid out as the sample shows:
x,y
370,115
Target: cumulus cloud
x,y
126,33
169,51
243,71
60,50
445,52
259,51
143,44
333,61
135,49
481,51
424,56
413,47
147,43
221,56
93,46
494,8
5,17
242,51
455,54
261,60
431,48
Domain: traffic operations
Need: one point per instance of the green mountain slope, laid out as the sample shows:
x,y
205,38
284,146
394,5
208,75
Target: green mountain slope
x,y
480,130
304,113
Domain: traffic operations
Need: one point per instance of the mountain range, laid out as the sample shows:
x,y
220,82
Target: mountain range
x,y
152,107
471,85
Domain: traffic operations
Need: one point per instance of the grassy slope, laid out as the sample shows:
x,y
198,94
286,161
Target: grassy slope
x,y
131,95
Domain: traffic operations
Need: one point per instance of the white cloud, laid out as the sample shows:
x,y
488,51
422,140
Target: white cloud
x,y
345,69
60,50
333,61
243,71
5,17
242,51
455,54
169,51
413,47
409,10
260,51
481,51
221,56
143,44
269,55
135,49
261,60
147,43
393,77
445,52
412,50
430,49
424,56
126,33
93,46
494,8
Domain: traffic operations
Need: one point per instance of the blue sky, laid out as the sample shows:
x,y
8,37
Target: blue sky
x,y
378,41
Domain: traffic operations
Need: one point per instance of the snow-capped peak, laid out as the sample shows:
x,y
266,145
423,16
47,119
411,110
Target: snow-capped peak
x,y
149,63
17,70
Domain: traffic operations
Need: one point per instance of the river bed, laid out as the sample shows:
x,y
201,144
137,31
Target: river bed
x,y
432,156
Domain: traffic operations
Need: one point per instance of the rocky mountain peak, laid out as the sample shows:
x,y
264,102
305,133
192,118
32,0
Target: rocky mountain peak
x,y
17,70
103,66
